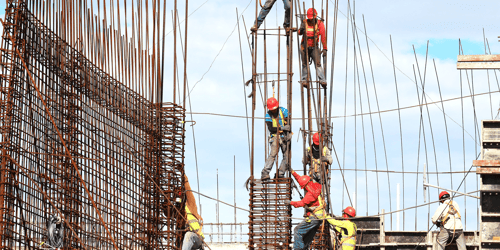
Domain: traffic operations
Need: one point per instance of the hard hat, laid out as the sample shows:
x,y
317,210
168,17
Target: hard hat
x,y
316,138
444,195
311,13
350,211
303,180
272,103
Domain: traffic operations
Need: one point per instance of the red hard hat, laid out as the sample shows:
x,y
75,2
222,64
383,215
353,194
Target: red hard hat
x,y
311,13
272,103
316,138
444,195
350,211
303,180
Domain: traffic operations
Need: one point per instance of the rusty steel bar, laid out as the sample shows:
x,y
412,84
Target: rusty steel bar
x,y
85,132
271,226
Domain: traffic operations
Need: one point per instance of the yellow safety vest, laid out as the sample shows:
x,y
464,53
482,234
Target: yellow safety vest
x,y
193,223
348,240
275,120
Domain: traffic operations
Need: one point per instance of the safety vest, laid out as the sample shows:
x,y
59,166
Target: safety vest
x,y
319,211
348,240
281,116
316,163
193,223
312,33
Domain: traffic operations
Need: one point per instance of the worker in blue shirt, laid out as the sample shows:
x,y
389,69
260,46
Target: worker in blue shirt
x,y
276,124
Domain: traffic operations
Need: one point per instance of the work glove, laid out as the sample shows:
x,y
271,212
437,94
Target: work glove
x,y
294,204
285,128
323,159
324,52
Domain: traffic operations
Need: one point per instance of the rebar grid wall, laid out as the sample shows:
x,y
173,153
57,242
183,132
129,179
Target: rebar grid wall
x,y
79,144
270,220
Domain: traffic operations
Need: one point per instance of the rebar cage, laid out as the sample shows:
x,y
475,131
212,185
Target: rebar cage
x,y
270,225
79,145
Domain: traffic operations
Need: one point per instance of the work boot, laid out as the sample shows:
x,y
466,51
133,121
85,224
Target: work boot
x,y
323,84
304,84
265,177
281,176
254,28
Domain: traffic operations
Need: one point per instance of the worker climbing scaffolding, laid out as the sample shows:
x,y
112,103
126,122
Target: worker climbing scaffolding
x,y
279,137
305,231
270,200
315,158
312,30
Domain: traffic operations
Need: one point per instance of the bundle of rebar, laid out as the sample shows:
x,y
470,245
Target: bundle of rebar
x,y
85,134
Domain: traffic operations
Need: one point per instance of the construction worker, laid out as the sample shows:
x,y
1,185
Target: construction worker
x,y
346,228
447,217
193,239
312,29
276,123
314,159
304,232
266,9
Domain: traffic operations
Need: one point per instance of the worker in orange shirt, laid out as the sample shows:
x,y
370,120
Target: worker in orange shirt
x,y
311,30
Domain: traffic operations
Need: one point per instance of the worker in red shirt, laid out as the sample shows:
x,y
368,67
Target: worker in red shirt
x,y
305,231
311,30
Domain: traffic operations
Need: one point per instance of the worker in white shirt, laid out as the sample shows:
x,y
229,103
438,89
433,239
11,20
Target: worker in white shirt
x,y
447,217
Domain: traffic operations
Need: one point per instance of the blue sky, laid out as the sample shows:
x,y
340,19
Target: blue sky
x,y
220,90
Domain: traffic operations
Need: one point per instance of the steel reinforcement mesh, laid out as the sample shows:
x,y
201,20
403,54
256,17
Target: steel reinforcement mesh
x,y
270,225
77,144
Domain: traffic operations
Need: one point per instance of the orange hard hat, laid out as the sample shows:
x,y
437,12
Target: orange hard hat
x,y
316,138
444,195
350,211
272,103
303,180
311,13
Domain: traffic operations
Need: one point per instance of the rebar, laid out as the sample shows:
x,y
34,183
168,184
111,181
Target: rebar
x,y
78,138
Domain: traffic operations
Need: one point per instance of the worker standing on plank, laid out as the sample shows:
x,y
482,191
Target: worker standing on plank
x,y
346,228
314,159
276,124
448,218
193,239
311,30
305,231
266,9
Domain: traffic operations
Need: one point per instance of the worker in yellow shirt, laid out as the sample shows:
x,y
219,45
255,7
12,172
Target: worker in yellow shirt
x,y
346,228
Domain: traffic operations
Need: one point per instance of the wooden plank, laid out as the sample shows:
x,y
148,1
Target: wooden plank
x,y
484,163
478,65
487,170
478,58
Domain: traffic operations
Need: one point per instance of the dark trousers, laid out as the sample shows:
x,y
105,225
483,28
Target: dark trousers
x,y
303,234
314,53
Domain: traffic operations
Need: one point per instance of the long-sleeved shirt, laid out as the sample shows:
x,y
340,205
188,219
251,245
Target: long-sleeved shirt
x,y
311,197
348,230
454,221
318,24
